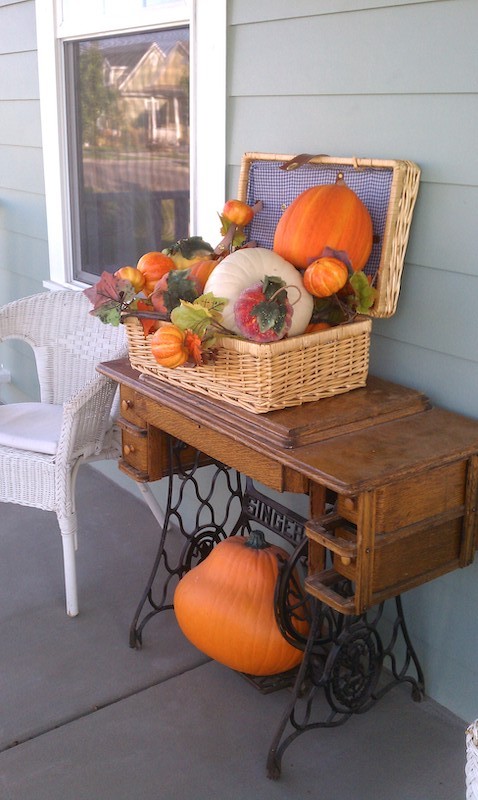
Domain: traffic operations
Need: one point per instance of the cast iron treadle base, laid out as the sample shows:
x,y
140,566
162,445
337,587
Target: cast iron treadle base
x,y
187,538
346,669
185,541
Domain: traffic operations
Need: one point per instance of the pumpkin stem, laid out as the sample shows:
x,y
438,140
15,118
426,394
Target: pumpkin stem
x,y
292,286
257,541
284,289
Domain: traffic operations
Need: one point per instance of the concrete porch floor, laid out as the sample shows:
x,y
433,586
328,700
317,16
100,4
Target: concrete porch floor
x,y
84,717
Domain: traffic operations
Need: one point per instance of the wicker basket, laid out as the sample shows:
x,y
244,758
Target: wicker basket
x,y
471,766
264,377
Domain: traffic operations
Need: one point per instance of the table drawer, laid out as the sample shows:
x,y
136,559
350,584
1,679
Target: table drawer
x,y
397,537
135,446
407,501
128,407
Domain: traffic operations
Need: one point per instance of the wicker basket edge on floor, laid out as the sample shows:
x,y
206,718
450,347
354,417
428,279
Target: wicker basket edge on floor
x,y
267,377
471,766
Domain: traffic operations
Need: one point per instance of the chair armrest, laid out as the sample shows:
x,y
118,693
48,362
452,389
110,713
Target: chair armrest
x,y
14,320
86,420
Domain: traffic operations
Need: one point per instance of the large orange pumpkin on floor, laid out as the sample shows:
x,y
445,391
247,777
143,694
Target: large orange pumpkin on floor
x,y
330,215
225,607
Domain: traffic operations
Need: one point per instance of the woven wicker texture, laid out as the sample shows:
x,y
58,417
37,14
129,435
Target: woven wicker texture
x,y
68,343
265,377
388,188
471,766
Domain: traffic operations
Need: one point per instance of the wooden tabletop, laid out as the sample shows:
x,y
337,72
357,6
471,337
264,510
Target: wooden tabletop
x,y
350,442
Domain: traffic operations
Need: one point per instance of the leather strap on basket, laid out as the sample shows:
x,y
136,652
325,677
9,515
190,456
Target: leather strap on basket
x,y
304,158
299,161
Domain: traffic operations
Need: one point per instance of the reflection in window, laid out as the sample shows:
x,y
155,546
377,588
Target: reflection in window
x,y
129,154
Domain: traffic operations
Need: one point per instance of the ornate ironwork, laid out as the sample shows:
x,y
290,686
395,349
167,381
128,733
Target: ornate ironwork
x,y
350,664
351,661
241,503
186,539
257,507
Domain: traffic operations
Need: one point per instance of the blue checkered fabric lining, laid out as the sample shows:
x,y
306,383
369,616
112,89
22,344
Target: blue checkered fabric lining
x,y
277,188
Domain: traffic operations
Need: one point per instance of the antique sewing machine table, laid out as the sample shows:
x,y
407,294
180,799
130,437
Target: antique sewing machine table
x,y
392,495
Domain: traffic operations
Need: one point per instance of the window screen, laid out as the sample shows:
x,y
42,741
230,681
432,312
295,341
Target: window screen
x,y
128,116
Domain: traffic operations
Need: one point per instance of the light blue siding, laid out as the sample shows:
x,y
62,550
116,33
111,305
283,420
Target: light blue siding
x,y
390,50
388,80
23,233
21,123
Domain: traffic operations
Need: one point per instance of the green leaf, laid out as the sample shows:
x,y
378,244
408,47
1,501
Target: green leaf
x,y
190,247
180,287
200,315
239,236
364,293
189,316
215,305
270,316
271,286
108,313
109,296
328,309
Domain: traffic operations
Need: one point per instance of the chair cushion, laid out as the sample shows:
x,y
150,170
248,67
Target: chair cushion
x,y
31,426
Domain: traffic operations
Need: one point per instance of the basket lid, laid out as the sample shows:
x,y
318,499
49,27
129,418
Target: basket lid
x,y
388,189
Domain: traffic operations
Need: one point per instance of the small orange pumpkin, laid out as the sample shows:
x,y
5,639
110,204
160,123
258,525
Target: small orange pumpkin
x,y
168,346
153,266
238,212
329,215
225,607
202,270
325,276
133,275
315,327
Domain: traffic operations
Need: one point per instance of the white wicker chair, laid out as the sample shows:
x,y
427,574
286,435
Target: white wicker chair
x,y
43,444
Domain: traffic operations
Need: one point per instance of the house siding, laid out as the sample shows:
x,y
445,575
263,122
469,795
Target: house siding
x,y
370,78
380,79
23,231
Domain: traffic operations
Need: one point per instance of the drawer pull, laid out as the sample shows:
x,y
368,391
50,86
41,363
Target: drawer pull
x,y
128,449
320,531
126,404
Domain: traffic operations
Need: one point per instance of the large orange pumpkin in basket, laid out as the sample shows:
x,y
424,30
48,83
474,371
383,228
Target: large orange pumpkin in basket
x,y
225,607
330,215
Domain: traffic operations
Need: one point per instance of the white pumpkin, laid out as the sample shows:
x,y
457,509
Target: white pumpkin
x,y
247,266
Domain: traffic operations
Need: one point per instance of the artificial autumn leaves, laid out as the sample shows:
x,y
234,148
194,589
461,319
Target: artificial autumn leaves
x,y
325,236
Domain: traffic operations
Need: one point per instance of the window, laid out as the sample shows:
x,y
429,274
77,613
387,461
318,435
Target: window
x,y
128,153
132,162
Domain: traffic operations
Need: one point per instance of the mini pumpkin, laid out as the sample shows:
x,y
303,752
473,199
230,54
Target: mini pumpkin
x,y
225,607
153,266
202,270
168,346
325,277
133,275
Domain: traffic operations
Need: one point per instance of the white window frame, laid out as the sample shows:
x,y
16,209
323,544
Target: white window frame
x,y
207,21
